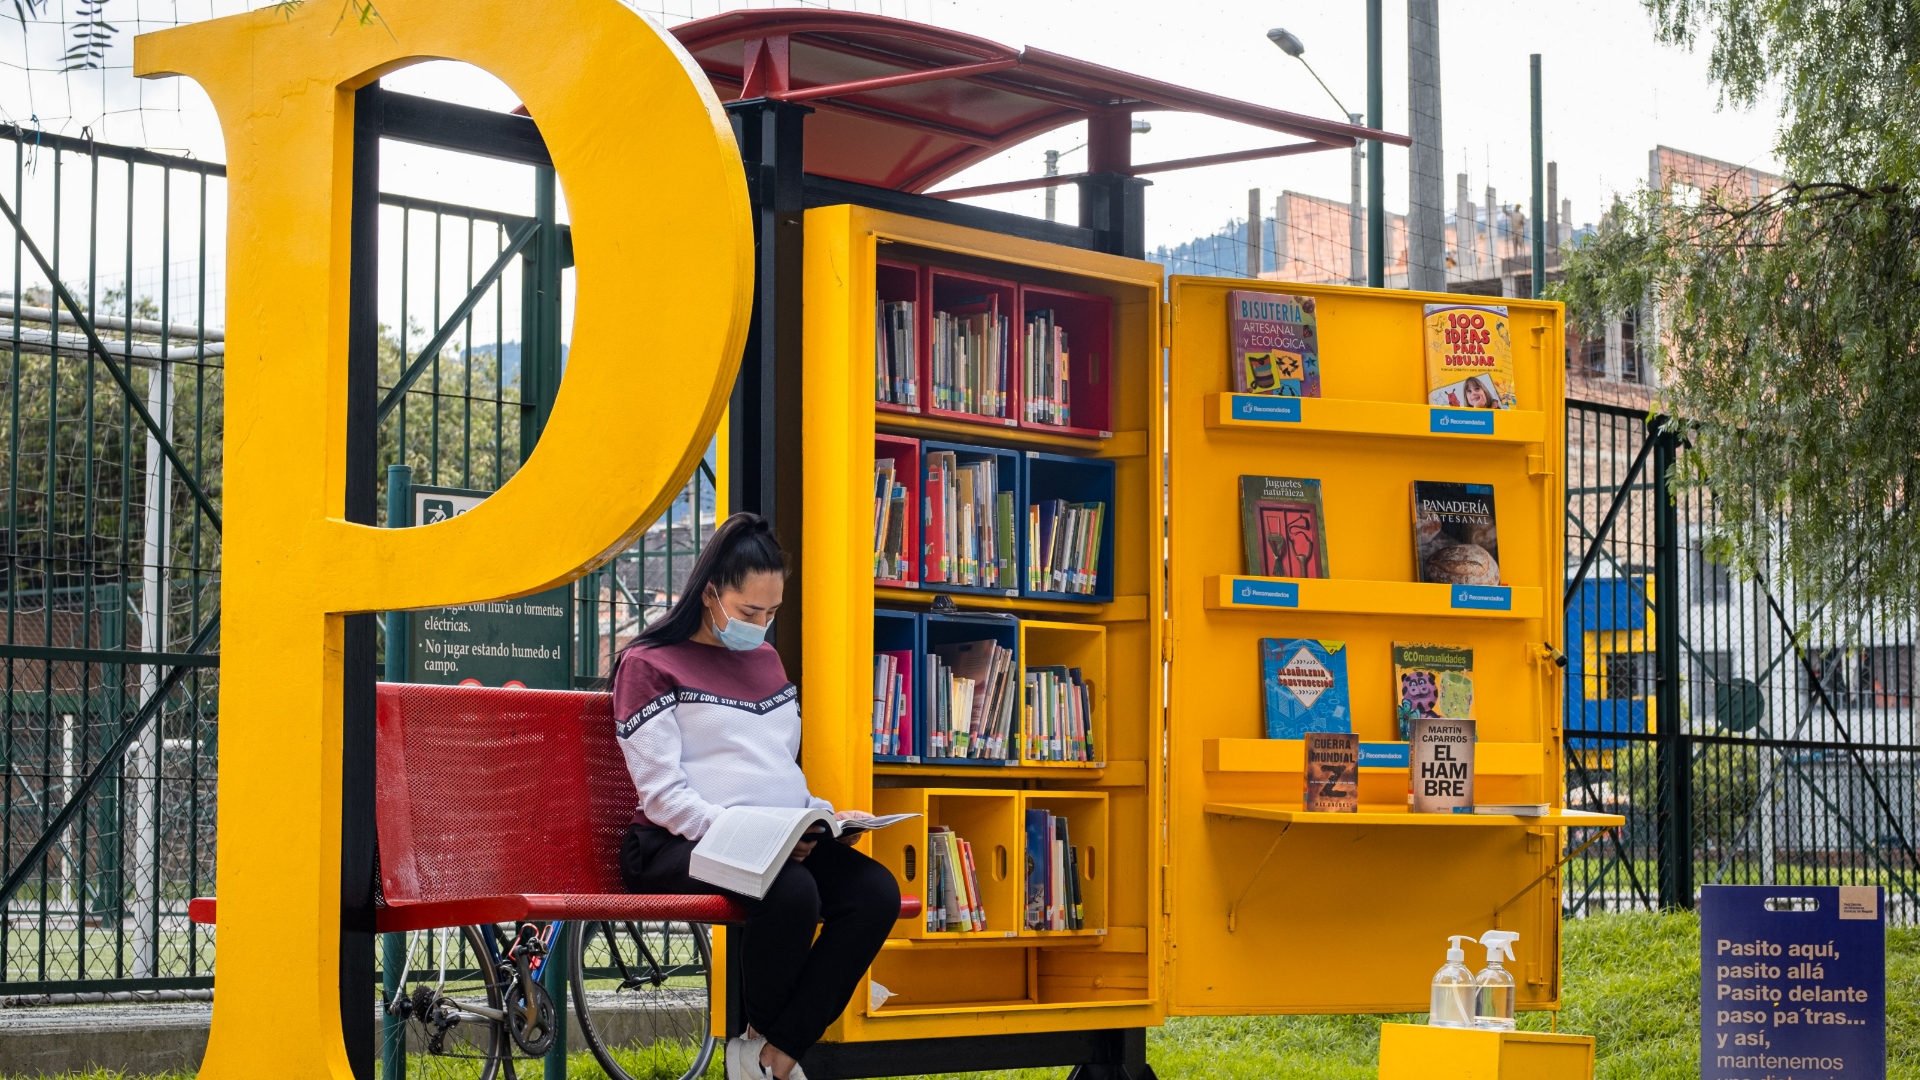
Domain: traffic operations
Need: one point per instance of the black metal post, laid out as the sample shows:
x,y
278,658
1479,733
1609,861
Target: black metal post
x,y
359,662
764,428
1674,750
1114,206
540,314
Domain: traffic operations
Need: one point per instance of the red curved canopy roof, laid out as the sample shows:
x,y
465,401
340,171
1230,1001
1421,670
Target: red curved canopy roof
x,y
904,105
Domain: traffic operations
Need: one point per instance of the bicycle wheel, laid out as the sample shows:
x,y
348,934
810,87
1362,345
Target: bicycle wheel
x,y
450,986
640,991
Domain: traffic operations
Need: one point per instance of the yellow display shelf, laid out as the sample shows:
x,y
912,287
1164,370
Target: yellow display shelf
x,y
1115,444
1388,814
1343,416
968,1008
1120,609
1348,596
1290,756
1366,441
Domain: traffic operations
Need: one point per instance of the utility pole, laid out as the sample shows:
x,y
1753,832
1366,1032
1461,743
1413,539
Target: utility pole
x,y
1426,201
1541,214
1253,233
1356,216
1053,169
1376,168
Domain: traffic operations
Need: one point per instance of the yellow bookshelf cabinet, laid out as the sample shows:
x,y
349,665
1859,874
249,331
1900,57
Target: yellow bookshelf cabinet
x,y
1006,979
1250,873
1200,874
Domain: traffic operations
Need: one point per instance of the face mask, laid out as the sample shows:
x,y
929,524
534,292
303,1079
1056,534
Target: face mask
x,y
740,635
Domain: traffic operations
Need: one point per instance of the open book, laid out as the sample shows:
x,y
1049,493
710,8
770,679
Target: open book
x,y
746,846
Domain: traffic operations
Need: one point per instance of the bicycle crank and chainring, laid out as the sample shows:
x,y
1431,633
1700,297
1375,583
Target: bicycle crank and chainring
x,y
530,1019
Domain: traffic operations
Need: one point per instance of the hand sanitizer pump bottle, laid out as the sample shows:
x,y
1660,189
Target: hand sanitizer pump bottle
x,y
1493,987
1453,988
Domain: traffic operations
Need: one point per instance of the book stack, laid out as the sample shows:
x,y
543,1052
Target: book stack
x,y
1063,546
953,889
1045,385
896,375
1059,715
889,524
971,690
892,703
1053,875
967,523
970,358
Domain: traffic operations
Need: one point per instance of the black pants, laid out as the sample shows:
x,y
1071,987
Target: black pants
x,y
795,985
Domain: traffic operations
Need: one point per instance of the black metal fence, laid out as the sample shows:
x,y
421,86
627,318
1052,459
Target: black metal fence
x,y
1747,738
111,353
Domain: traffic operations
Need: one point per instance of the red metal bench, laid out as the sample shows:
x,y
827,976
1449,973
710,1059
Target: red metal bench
x,y
503,806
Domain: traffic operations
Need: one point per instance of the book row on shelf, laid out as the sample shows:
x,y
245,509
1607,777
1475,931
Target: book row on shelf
x,y
992,351
1275,342
1052,893
968,699
1053,896
990,520
953,886
1456,538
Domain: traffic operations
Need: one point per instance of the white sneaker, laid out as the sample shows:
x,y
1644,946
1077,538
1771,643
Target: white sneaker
x,y
743,1060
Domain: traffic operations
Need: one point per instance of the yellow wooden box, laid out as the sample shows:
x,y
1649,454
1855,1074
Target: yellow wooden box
x,y
1209,878
1417,1052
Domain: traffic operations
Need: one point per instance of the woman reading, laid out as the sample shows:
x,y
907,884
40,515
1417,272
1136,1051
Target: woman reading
x,y
707,719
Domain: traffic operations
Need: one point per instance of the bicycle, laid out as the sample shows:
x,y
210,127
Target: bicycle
x,y
641,993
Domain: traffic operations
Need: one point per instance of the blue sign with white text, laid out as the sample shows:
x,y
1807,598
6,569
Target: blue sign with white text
x,y
1793,982
1273,410
1383,755
1460,421
1266,593
1483,597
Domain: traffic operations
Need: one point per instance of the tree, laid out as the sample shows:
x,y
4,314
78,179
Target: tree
x,y
1789,321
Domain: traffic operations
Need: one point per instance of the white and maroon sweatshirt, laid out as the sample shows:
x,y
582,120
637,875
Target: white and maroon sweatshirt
x,y
704,728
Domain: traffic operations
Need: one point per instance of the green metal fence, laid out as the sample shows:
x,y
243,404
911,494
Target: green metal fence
x,y
111,352
112,443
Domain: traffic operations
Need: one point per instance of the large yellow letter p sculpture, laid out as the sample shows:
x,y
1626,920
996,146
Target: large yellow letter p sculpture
x,y
661,239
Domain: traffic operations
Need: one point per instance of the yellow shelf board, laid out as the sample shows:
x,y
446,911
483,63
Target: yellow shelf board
x,y
1392,815
1353,596
1044,939
1346,416
1064,771
1115,444
1120,609
1290,756
961,1008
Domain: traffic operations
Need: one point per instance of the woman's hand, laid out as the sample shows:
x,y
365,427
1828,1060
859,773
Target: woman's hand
x,y
850,815
804,847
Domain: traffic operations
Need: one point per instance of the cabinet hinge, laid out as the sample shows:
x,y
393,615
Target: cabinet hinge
x,y
1538,465
1166,640
1166,324
1166,906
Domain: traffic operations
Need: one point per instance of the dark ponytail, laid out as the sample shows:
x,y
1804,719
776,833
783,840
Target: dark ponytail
x,y
743,545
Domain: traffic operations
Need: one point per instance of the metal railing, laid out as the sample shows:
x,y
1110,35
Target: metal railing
x,y
112,351
1747,737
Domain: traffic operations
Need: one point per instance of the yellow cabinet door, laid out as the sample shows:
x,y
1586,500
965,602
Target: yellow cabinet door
x,y
1260,891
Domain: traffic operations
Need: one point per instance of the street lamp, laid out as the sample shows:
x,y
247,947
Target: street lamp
x,y
1293,47
1297,49
1140,127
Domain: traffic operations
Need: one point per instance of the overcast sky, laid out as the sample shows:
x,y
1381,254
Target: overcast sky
x,y
1611,94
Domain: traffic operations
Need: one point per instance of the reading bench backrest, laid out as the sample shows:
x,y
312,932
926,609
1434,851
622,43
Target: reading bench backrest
x,y
486,792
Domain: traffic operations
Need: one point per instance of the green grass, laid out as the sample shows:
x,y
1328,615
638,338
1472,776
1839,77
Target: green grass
x,y
1630,981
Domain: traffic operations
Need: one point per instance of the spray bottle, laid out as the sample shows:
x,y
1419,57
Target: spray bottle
x,y
1493,987
1453,988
